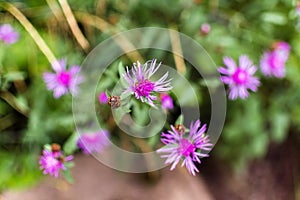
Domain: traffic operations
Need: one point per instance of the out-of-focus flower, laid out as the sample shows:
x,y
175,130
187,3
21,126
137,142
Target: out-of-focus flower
x,y
205,28
186,147
103,98
166,101
298,8
53,161
7,34
63,81
93,142
239,78
139,83
273,63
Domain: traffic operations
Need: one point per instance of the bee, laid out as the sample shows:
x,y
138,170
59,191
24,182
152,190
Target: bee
x,y
114,102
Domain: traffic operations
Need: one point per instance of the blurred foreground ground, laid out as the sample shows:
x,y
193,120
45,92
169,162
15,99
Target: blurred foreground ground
x,y
96,181
271,178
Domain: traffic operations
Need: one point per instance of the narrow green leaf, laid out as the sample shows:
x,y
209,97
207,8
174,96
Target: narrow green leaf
x,y
68,176
70,145
179,120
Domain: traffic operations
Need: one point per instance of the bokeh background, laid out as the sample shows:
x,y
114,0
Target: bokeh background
x,y
257,155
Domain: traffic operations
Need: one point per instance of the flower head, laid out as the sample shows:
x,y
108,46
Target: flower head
x,y
53,161
7,34
187,148
63,81
273,63
166,101
93,142
139,83
103,98
298,8
239,78
205,28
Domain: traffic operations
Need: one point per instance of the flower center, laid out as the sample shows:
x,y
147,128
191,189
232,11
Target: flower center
x,y
240,76
144,88
51,162
186,147
64,78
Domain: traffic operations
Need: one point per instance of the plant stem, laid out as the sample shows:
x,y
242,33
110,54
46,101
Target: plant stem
x,y
82,41
176,47
103,26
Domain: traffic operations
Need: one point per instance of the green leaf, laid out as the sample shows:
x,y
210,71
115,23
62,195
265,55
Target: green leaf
x,y
279,126
274,17
121,69
70,145
68,176
47,147
13,76
107,93
179,120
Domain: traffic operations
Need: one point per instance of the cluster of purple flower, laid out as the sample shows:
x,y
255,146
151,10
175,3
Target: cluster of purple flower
x,y
241,77
179,146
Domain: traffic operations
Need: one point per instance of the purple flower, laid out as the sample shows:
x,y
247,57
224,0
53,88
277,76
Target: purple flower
x,y
7,34
187,148
139,83
93,142
52,162
273,63
166,101
63,81
205,28
298,9
239,78
103,98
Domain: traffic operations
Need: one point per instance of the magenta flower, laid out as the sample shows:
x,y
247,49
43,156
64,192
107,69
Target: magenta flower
x,y
187,148
239,78
63,81
53,162
103,98
166,101
205,28
139,83
273,63
93,142
7,34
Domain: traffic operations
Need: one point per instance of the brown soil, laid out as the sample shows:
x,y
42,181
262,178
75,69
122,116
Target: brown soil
x,y
271,178
94,181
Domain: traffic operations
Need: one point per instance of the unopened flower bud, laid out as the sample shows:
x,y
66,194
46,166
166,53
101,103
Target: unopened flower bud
x,y
114,102
180,128
55,147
